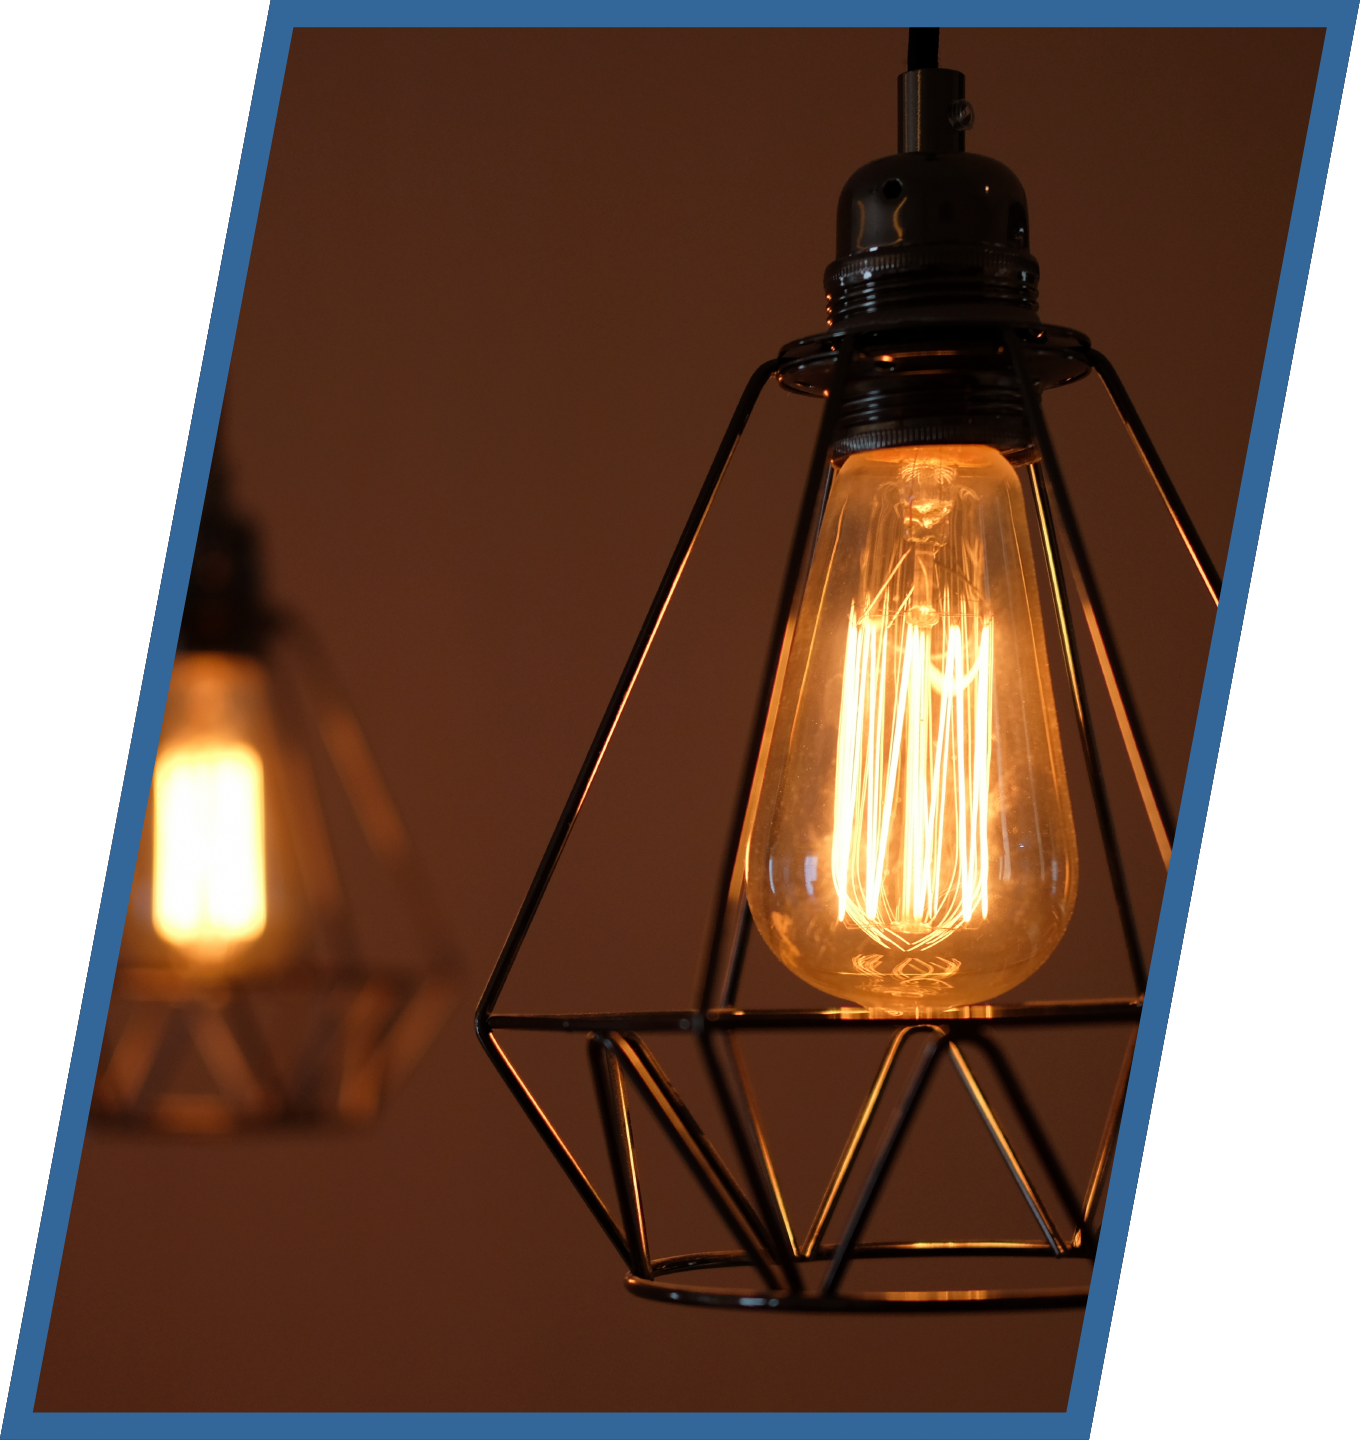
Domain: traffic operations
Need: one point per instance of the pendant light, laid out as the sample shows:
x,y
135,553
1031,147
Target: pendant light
x,y
243,995
904,838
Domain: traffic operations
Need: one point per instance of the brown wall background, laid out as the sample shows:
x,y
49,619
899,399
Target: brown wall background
x,y
506,286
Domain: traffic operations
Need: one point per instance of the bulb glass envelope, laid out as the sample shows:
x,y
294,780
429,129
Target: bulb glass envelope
x,y
244,994
787,1261
913,840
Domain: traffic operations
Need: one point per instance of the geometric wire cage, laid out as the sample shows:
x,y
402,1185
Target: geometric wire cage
x,y
881,341
329,1031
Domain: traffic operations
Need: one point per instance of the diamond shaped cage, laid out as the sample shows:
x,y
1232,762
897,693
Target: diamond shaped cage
x,y
933,339
777,1259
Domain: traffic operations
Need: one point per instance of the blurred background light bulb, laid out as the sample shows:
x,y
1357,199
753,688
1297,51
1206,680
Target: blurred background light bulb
x,y
218,884
913,843
207,868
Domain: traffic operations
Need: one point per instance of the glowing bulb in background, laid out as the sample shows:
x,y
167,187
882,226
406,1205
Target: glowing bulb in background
x,y
207,868
913,843
219,882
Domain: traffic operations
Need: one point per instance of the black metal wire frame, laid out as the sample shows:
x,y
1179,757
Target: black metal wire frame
x,y
1114,388
749,1201
585,777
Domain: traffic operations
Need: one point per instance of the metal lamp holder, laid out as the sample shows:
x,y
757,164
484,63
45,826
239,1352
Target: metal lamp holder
x,y
933,336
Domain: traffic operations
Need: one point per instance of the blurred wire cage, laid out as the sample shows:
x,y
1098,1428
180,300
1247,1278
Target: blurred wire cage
x,y
282,961
933,340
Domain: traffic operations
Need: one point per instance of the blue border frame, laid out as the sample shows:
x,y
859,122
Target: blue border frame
x,y
20,1420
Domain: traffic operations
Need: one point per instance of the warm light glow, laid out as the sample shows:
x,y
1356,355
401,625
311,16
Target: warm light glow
x,y
208,875
913,771
230,864
912,843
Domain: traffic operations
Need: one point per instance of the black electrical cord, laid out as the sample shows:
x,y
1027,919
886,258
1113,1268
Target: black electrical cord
x,y
923,48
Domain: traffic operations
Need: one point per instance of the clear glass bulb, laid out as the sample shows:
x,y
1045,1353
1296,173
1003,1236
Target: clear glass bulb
x,y
218,884
913,844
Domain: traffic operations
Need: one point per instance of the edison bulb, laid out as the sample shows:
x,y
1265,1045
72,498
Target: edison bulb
x,y
912,844
218,884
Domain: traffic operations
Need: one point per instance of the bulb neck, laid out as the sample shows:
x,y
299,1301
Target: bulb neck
x,y
967,397
933,382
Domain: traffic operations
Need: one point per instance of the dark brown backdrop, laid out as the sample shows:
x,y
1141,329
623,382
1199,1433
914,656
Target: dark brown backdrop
x,y
505,288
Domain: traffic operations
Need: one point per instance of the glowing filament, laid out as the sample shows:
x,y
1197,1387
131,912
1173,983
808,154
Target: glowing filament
x,y
913,770
207,882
